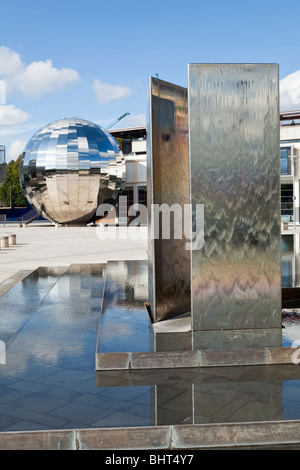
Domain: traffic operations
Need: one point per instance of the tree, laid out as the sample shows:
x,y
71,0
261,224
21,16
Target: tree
x,y
11,193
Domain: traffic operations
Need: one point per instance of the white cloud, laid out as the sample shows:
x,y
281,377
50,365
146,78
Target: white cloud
x,y
290,91
2,92
106,92
34,79
12,116
15,149
10,62
41,77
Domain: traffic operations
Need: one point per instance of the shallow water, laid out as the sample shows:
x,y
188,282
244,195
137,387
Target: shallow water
x,y
49,381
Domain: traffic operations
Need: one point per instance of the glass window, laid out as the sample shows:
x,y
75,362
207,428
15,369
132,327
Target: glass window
x,y
128,192
285,160
287,203
143,195
286,272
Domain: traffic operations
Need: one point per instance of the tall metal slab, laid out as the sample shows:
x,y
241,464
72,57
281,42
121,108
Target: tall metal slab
x,y
235,174
168,192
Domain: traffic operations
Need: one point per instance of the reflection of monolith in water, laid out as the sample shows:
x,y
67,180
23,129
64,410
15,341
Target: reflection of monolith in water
x,y
234,171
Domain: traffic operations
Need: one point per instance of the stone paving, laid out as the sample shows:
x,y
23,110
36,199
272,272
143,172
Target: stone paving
x,y
47,245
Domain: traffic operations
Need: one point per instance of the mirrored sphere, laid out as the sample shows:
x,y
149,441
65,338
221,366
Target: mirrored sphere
x,y
69,167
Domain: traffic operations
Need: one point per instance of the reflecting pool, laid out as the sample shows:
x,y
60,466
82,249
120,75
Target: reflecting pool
x,y
50,325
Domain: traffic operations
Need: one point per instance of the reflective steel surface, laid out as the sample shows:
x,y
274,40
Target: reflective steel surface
x,y
168,183
69,167
235,168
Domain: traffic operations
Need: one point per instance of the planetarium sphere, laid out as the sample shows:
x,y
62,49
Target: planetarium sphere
x,y
69,167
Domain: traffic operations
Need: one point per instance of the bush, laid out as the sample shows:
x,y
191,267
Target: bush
x,y
11,193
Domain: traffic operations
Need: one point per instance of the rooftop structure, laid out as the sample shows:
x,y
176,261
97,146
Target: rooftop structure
x,y
289,117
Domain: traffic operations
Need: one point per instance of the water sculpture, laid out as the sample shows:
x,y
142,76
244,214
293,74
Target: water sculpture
x,y
233,172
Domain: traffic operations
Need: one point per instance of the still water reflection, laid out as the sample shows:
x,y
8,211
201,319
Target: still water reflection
x,y
125,322
217,394
50,322
50,325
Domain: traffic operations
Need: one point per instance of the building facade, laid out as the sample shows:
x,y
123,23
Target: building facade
x,y
133,144
289,165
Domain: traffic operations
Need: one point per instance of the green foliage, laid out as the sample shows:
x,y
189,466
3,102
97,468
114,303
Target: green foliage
x,y
11,193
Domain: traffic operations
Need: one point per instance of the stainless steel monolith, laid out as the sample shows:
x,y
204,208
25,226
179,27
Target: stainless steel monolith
x,y
235,175
168,194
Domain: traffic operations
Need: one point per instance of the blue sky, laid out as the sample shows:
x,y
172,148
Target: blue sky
x,y
92,59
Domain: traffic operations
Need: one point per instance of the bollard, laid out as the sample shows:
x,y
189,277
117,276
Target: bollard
x,y
4,242
12,238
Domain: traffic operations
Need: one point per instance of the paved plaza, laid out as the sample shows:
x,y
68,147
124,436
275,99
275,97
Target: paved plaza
x,y
47,245
51,396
